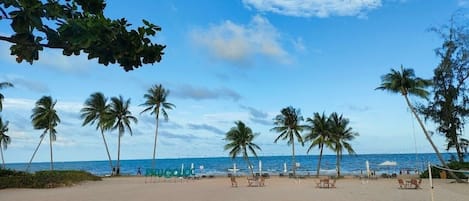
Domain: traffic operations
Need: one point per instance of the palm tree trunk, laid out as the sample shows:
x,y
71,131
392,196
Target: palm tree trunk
x,y
118,153
293,159
32,157
1,152
50,146
249,165
153,162
319,161
338,164
429,139
107,149
458,150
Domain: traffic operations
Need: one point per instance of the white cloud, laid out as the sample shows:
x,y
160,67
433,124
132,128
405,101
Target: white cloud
x,y
239,43
314,8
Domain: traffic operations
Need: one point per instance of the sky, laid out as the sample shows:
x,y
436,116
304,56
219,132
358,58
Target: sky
x,y
238,60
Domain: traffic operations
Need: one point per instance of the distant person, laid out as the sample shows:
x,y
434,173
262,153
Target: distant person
x,y
139,172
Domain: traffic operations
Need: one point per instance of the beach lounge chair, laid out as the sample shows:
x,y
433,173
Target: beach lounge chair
x,y
401,183
332,184
262,181
415,183
234,183
253,181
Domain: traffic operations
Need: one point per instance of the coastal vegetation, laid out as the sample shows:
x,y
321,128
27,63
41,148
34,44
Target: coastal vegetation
x,y
4,139
120,119
449,107
155,101
332,132
2,86
288,124
45,118
240,139
43,179
341,134
77,27
96,110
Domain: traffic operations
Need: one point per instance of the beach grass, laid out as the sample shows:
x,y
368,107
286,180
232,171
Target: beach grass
x,y
44,179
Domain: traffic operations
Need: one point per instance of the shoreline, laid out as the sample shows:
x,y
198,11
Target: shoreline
x,y
276,188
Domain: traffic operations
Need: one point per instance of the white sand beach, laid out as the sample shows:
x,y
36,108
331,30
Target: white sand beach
x,y
217,189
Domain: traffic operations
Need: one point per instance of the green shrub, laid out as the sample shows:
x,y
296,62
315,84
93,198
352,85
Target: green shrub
x,y
43,179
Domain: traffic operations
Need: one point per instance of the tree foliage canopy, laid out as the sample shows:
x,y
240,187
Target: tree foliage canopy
x,y
449,107
77,26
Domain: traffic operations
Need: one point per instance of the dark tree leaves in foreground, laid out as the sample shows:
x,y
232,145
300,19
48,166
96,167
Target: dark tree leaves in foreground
x,y
75,27
450,105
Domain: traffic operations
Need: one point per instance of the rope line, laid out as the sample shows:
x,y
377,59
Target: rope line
x,y
447,169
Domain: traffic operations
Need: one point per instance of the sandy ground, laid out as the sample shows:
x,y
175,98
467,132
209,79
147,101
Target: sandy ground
x,y
218,189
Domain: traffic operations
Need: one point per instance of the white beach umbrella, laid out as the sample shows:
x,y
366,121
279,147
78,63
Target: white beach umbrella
x,y
234,169
388,164
182,168
285,167
368,172
260,167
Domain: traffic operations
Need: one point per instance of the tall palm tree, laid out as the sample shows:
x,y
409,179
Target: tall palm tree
x,y
45,117
155,101
287,123
406,83
96,110
240,140
4,139
122,117
3,85
319,135
341,134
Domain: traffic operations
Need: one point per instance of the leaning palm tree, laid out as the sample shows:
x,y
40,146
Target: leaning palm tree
x,y
287,123
122,117
240,140
406,83
3,85
96,110
341,134
319,135
4,139
155,101
45,117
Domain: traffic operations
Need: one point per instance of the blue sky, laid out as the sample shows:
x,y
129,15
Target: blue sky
x,y
239,60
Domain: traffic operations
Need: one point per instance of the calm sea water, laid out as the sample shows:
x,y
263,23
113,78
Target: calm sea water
x,y
350,165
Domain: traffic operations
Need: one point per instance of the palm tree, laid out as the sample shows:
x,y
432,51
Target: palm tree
x,y
319,135
96,110
3,85
4,139
45,117
341,134
406,83
240,140
122,117
156,103
288,125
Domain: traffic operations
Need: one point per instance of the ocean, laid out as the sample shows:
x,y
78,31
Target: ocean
x,y
274,165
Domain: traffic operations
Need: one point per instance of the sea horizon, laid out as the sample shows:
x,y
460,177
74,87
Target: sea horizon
x,y
220,165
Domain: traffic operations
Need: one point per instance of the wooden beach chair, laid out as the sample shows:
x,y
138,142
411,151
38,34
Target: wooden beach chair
x,y
234,183
401,183
332,184
415,183
262,181
253,181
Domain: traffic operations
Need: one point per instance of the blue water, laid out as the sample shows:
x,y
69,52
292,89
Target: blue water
x,y
350,164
